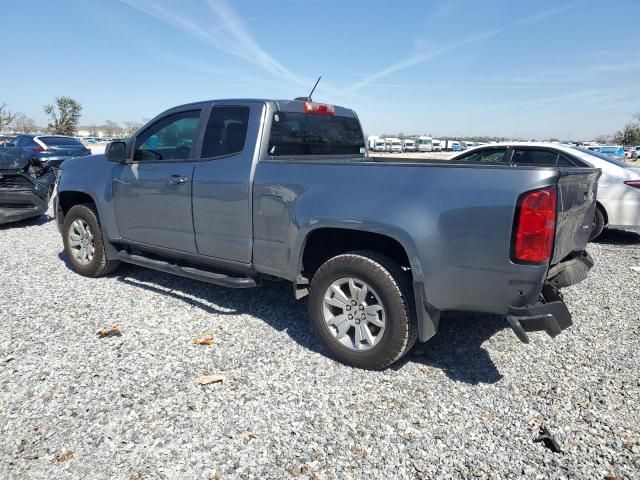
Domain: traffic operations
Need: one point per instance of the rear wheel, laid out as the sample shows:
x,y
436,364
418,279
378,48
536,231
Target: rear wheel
x,y
83,244
598,224
361,308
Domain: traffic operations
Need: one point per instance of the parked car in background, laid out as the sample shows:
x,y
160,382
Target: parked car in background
x,y
237,192
452,146
437,145
618,203
396,145
49,149
612,151
408,145
633,153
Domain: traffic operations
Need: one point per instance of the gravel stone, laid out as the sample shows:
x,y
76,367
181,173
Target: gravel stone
x,y
467,404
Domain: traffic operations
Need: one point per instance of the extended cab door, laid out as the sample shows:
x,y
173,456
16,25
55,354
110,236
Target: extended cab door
x,y
152,192
222,182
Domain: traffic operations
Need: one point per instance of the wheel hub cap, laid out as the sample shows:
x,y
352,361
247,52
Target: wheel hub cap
x,y
354,313
81,242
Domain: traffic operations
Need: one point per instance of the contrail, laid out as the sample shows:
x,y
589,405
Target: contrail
x,y
416,59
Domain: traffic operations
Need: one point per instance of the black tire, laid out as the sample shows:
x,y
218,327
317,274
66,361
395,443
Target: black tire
x,y
392,285
598,224
99,265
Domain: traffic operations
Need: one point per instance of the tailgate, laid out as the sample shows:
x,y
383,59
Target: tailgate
x,y
577,189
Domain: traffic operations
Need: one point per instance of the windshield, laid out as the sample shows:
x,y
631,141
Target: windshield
x,y
603,156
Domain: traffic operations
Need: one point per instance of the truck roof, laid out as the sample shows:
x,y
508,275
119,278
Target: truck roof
x,y
294,106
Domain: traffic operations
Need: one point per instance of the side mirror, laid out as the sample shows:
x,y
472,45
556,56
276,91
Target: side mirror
x,y
116,152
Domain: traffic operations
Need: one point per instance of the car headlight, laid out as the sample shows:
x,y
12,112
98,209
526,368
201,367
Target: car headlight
x,y
36,169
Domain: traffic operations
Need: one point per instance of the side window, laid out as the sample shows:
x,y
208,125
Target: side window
x,y
535,157
28,142
489,155
15,142
570,162
170,138
226,131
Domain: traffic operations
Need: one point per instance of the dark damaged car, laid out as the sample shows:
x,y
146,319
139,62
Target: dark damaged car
x,y
26,185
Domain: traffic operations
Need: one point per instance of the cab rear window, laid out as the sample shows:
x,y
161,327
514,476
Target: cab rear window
x,y
295,134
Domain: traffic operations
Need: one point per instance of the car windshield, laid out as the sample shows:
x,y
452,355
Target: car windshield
x,y
60,142
603,156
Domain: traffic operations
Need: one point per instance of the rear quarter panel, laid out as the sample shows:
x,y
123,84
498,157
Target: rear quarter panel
x,y
455,222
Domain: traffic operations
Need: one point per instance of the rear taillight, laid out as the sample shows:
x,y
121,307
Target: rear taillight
x,y
319,108
38,149
633,183
535,227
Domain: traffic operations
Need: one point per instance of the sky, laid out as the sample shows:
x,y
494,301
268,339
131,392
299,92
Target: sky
x,y
543,69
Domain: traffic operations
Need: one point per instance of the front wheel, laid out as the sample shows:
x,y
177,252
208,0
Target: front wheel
x,y
83,244
362,309
598,225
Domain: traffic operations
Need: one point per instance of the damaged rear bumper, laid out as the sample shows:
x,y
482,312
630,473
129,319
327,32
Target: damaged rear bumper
x,y
550,314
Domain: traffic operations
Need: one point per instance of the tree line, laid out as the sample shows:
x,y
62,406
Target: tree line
x,y
64,119
629,135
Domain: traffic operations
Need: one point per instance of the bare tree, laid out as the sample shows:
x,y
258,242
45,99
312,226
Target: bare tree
x,y
111,128
603,139
93,130
7,117
131,127
23,124
64,115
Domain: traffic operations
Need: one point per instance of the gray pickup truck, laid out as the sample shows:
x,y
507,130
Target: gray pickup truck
x,y
237,192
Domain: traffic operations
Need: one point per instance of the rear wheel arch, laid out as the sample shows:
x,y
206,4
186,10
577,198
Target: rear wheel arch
x,y
321,244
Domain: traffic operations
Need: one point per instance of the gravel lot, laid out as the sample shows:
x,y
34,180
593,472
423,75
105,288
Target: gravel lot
x,y
467,404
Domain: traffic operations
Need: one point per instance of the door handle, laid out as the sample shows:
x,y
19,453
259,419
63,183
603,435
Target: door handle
x,y
177,180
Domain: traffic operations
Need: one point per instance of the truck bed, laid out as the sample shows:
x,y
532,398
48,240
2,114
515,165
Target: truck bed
x,y
455,221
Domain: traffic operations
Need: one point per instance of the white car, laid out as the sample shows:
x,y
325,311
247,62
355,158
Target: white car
x,y
633,153
618,192
618,204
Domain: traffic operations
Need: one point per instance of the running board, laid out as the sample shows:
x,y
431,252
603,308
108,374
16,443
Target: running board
x,y
188,272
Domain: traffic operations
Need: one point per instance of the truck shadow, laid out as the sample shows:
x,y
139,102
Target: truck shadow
x,y
618,237
456,349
